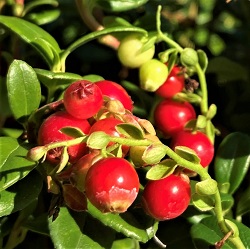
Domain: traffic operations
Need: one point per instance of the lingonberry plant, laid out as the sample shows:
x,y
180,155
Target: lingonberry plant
x,y
110,134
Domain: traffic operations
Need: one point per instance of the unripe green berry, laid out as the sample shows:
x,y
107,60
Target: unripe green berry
x,y
189,57
131,53
152,75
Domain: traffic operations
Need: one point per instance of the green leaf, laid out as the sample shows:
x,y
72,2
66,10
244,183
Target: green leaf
x,y
187,154
72,132
24,90
232,160
13,163
130,131
21,194
206,187
92,77
126,243
98,140
243,205
162,169
44,17
5,110
120,5
154,153
226,70
56,80
207,233
203,60
202,203
32,34
70,230
227,201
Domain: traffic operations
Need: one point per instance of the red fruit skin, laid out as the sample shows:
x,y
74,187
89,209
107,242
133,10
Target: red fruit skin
x,y
166,198
49,132
83,99
196,141
112,185
115,91
171,116
107,125
173,84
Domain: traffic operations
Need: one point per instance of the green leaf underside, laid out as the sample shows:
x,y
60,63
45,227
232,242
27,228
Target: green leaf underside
x,y
187,154
37,37
161,170
13,164
154,153
21,194
232,160
24,92
72,132
129,130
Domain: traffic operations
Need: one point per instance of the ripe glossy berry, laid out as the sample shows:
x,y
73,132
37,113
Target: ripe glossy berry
x,y
49,132
108,125
83,99
196,141
171,116
166,198
173,84
112,184
115,91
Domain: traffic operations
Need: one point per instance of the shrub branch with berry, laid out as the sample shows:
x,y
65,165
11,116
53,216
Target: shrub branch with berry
x,y
86,169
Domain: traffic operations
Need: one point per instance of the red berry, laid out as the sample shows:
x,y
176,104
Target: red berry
x,y
112,184
115,91
196,141
166,198
49,132
108,125
173,84
171,116
83,99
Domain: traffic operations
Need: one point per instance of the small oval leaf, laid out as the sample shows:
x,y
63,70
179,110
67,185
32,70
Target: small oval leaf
x,y
187,154
154,153
203,203
130,130
162,169
232,160
98,140
24,90
206,187
72,132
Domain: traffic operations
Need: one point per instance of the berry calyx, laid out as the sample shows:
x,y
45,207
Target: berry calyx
x,y
83,99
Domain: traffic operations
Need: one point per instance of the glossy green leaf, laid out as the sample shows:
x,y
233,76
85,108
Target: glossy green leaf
x,y
71,230
5,110
162,169
42,18
13,163
130,131
34,4
21,194
24,92
125,224
232,160
154,153
227,202
207,232
120,5
187,154
32,34
243,204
